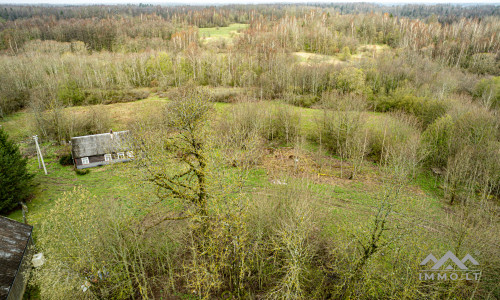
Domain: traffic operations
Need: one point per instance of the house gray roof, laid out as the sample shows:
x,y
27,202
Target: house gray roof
x,y
14,238
99,144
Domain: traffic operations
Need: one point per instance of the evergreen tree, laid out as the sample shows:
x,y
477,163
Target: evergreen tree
x,y
15,181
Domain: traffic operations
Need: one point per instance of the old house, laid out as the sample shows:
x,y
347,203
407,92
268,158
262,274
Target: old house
x,y
100,149
15,258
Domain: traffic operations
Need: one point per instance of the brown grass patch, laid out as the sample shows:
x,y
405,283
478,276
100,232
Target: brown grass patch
x,y
303,164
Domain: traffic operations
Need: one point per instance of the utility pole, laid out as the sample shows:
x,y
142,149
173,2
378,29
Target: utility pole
x,y
39,154
25,211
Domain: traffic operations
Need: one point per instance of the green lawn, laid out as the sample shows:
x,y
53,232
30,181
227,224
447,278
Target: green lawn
x,y
118,181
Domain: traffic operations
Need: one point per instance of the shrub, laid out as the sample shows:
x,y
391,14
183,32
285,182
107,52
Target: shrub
x,y
61,124
350,80
484,63
390,72
466,146
338,131
436,140
13,96
386,132
346,54
341,131
66,160
70,93
110,96
488,92
281,123
302,100
159,69
290,235
426,110
448,135
239,134
343,102
15,181
82,172
404,156
282,227
474,127
224,95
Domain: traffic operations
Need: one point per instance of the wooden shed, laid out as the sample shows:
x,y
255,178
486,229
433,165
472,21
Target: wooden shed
x,y
15,258
100,149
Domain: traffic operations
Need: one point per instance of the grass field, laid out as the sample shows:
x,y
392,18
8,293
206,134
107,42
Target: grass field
x,y
123,182
218,33
314,58
363,51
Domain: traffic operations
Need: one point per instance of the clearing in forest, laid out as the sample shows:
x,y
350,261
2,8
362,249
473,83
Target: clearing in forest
x,y
314,58
224,33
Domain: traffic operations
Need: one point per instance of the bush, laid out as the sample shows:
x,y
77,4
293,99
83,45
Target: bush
x,y
466,146
15,181
350,80
385,133
343,102
449,135
224,95
302,100
338,131
389,72
436,140
476,127
61,124
159,69
281,123
239,134
82,172
110,96
488,92
70,94
66,160
346,54
426,110
484,63
13,97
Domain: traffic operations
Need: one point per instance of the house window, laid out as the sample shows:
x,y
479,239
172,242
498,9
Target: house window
x,y
130,154
107,157
120,155
85,160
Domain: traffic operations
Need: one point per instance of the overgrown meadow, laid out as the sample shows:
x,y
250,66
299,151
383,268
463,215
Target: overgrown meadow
x,y
282,151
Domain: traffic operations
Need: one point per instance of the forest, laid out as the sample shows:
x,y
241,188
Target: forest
x,y
281,151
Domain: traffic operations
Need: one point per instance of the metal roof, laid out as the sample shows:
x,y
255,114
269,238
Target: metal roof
x,y
98,144
14,237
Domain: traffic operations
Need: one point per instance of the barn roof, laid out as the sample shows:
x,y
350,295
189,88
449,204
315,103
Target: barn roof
x,y
98,144
14,238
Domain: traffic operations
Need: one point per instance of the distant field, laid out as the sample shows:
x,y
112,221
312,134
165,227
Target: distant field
x,y
363,51
314,58
212,33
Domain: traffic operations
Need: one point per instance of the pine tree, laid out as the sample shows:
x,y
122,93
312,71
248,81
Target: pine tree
x,y
15,181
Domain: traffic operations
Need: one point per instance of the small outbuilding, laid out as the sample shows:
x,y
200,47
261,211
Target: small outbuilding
x,y
101,149
15,258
